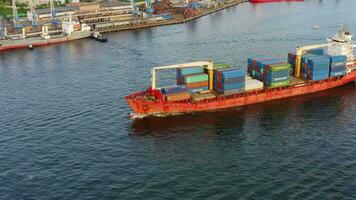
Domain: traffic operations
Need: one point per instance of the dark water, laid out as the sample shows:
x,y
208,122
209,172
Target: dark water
x,y
65,134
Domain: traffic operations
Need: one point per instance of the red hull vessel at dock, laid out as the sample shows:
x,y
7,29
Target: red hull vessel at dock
x,y
143,107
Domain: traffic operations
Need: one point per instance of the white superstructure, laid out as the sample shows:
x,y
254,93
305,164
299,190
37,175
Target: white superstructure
x,y
340,44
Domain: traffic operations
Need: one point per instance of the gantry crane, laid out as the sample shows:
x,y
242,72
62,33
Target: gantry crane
x,y
53,12
33,13
134,8
149,9
14,12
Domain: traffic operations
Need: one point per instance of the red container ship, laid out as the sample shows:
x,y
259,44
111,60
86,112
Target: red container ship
x,y
153,101
270,1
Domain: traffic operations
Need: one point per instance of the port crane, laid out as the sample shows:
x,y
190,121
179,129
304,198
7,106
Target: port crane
x,y
33,13
53,12
134,8
149,9
192,8
14,13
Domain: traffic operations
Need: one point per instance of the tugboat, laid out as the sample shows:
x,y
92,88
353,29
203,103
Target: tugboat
x,y
98,37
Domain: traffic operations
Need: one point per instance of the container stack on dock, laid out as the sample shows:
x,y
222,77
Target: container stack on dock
x,y
337,66
229,81
193,77
176,93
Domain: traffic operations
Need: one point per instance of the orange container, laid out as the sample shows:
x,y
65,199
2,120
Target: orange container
x,y
178,96
198,84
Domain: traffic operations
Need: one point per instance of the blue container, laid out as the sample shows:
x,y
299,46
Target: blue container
x,y
337,73
321,60
277,79
262,64
319,77
233,80
316,51
233,86
338,68
336,64
173,89
278,73
197,89
305,57
232,73
324,67
340,58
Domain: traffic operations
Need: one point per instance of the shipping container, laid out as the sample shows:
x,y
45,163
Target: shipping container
x,y
340,58
194,78
194,90
173,89
316,51
234,91
178,96
253,84
189,70
200,97
278,84
197,84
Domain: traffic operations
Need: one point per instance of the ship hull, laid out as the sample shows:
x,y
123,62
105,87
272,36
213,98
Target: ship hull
x,y
36,42
270,1
143,107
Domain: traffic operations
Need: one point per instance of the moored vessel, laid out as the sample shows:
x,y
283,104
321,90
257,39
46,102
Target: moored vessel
x,y
311,69
67,33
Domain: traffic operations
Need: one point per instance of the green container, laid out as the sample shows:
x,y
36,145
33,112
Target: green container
x,y
280,67
279,84
196,78
221,65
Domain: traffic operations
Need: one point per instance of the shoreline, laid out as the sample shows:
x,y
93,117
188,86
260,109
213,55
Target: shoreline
x,y
173,21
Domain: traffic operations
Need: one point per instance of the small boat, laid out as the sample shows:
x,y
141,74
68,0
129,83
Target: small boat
x,y
98,37
30,47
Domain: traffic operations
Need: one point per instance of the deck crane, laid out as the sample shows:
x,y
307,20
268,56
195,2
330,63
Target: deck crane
x,y
53,12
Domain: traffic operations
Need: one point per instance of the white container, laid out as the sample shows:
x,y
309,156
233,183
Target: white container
x,y
253,84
